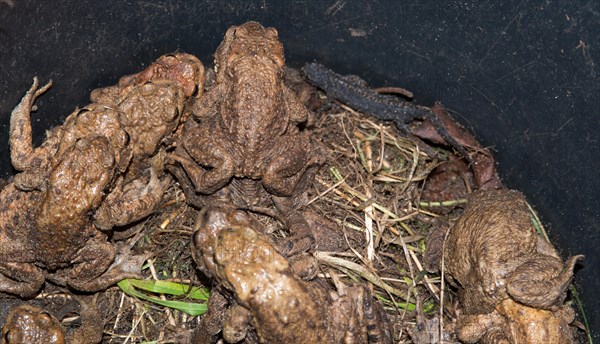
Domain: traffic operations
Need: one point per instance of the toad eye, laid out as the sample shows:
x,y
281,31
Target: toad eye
x,y
271,33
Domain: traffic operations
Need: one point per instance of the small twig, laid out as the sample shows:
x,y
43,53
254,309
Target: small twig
x,y
162,296
412,274
118,318
427,280
327,258
538,221
171,217
328,190
443,283
395,90
449,203
369,209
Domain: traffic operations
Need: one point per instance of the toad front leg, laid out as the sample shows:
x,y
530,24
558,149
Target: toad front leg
x,y
22,279
131,202
285,176
474,327
212,166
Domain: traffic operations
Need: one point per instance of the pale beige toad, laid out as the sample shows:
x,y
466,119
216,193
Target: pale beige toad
x,y
269,300
511,281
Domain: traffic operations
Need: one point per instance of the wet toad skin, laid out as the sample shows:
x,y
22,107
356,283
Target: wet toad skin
x,y
511,281
33,325
108,122
244,145
30,324
280,306
151,106
136,116
248,120
512,322
102,166
183,69
148,113
51,231
151,101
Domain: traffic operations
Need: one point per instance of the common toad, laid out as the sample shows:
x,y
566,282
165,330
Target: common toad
x,y
247,134
148,113
151,106
183,69
281,307
136,116
51,230
511,281
33,325
30,324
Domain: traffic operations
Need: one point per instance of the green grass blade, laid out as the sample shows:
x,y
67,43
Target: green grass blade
x,y
190,308
171,288
403,305
582,313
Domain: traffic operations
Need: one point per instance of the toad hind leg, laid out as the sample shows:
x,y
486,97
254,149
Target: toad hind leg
x,y
302,238
22,279
103,267
540,282
285,170
207,181
22,152
23,155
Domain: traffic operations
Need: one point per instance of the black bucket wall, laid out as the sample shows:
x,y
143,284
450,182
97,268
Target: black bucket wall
x,y
524,77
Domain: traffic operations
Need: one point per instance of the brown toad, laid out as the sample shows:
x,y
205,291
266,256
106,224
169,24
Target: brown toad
x,y
511,281
149,113
50,231
33,325
30,324
180,68
101,165
247,134
281,307
150,105
94,119
136,116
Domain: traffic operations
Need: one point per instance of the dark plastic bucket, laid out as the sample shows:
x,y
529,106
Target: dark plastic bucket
x,y
523,76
